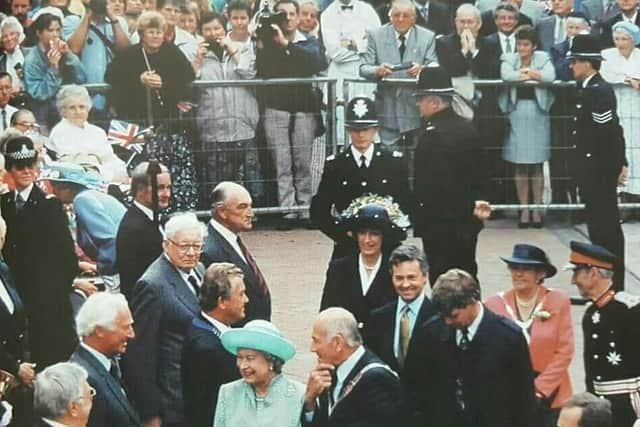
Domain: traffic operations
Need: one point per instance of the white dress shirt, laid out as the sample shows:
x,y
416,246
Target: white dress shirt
x,y
414,309
472,329
631,20
53,423
5,297
368,155
185,276
14,58
10,110
406,37
503,42
216,323
585,82
104,360
229,236
365,281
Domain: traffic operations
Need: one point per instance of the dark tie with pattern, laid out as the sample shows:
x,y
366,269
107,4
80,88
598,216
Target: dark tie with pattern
x,y
346,7
262,284
4,119
20,202
363,162
403,46
194,284
464,340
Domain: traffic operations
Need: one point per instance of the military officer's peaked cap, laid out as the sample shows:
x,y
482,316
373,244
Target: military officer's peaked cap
x,y
434,81
361,113
585,46
20,151
589,255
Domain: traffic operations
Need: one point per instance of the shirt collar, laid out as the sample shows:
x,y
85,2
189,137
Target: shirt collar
x,y
632,19
145,210
420,6
26,193
216,323
299,37
586,81
104,360
414,306
367,154
472,329
229,235
347,366
53,423
406,35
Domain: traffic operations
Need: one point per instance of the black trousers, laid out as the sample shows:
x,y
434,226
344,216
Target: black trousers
x,y
448,246
603,222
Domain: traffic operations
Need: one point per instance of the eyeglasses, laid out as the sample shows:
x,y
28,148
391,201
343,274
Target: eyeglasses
x,y
183,248
92,394
28,125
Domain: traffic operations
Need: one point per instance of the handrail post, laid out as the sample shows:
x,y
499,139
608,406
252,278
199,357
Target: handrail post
x,y
332,134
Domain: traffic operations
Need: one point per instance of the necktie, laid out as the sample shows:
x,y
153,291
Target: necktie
x,y
363,162
331,391
347,7
402,47
19,202
115,370
464,341
194,284
262,284
508,44
4,119
562,30
404,334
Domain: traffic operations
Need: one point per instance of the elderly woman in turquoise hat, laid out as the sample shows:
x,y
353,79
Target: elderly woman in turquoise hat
x,y
621,67
263,396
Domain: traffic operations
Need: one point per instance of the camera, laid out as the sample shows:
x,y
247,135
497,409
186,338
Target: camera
x,y
266,18
99,7
214,46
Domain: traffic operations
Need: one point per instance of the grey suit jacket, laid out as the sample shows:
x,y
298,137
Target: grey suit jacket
x,y
396,106
596,11
110,404
546,32
163,307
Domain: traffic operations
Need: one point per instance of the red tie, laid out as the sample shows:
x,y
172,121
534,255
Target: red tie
x,y
254,267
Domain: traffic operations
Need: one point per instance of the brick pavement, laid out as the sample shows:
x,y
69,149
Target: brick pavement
x,y
295,262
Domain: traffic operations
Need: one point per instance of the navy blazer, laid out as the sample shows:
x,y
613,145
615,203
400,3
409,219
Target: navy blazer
x,y
379,334
343,289
163,307
111,407
495,371
217,249
206,365
13,343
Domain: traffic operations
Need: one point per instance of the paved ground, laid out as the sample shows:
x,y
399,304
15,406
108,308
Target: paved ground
x,y
295,262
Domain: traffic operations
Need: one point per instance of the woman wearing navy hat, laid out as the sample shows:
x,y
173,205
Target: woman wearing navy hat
x,y
544,315
361,282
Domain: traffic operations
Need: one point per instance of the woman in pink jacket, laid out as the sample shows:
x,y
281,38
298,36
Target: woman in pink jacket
x,y
544,315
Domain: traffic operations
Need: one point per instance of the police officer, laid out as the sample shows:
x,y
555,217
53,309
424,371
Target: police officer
x,y
360,169
40,253
611,327
600,163
450,176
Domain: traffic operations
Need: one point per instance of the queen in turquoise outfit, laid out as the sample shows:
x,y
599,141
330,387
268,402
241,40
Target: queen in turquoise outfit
x,y
263,397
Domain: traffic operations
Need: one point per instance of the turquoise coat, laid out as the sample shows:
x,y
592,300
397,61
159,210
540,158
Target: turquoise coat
x,y
239,407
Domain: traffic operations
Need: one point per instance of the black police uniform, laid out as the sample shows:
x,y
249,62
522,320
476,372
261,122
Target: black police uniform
x,y
343,181
611,327
450,177
600,155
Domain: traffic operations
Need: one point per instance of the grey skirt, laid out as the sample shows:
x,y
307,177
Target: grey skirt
x,y
529,138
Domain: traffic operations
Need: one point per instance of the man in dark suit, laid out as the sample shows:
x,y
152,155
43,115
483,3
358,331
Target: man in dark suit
x,y
206,365
105,326
470,367
164,303
628,12
432,15
349,386
391,328
553,29
231,214
139,238
13,342
345,177
40,253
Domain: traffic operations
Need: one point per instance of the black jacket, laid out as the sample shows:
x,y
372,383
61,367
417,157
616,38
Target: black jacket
x,y
111,407
343,181
13,343
374,401
138,244
448,50
342,288
380,331
217,249
450,174
40,253
206,365
495,372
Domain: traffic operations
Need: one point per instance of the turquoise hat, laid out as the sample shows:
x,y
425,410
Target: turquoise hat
x,y
69,172
631,29
259,335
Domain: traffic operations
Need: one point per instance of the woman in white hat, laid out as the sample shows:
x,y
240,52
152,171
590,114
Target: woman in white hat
x,y
263,396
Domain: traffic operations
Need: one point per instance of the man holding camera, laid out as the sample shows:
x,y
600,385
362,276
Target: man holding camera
x,y
291,112
96,38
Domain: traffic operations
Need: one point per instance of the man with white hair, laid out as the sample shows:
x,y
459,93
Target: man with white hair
x,y
12,57
6,110
350,386
232,213
62,396
164,302
105,326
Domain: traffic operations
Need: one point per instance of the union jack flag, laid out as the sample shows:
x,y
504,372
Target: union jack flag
x,y
127,135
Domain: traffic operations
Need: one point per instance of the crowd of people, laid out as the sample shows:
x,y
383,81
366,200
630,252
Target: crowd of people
x,y
140,314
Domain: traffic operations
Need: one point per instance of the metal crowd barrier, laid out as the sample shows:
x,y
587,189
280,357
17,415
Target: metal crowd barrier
x,y
335,138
